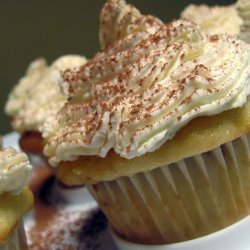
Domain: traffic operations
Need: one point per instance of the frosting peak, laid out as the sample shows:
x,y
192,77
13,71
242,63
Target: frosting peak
x,y
15,170
119,19
145,87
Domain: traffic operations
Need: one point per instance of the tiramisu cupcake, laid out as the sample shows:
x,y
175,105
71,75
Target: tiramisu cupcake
x,y
15,199
36,96
162,141
214,19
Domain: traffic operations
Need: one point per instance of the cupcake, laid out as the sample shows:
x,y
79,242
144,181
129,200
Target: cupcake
x,y
162,141
214,19
15,199
36,96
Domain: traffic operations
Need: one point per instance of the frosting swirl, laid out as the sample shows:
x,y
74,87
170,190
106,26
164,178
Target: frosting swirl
x,y
214,20
144,88
38,94
15,170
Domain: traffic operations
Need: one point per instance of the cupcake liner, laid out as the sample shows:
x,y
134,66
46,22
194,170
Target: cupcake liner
x,y
181,201
17,239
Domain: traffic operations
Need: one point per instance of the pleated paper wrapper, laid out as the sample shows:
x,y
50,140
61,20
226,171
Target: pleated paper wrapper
x,y
181,201
17,239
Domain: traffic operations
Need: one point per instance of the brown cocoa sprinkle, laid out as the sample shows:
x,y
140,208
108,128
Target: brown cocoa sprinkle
x,y
214,38
147,115
134,111
209,79
171,93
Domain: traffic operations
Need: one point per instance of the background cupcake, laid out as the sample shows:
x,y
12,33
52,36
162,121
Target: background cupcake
x,y
231,19
15,199
162,140
243,9
36,96
214,19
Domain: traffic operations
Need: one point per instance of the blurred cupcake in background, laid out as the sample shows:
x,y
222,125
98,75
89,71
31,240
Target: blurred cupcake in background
x,y
162,141
33,99
214,19
243,8
36,96
15,199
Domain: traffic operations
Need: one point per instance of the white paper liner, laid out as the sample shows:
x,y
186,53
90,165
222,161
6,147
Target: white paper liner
x,y
17,239
182,201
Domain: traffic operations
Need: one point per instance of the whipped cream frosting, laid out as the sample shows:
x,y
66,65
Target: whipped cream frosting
x,y
15,170
214,20
19,93
144,88
118,19
38,95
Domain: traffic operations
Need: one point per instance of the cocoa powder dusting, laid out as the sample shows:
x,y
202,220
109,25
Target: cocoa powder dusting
x,y
57,228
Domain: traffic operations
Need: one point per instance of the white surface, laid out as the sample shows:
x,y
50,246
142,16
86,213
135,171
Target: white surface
x,y
235,237
11,140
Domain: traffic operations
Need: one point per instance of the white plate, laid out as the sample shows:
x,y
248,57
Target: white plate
x,y
11,140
